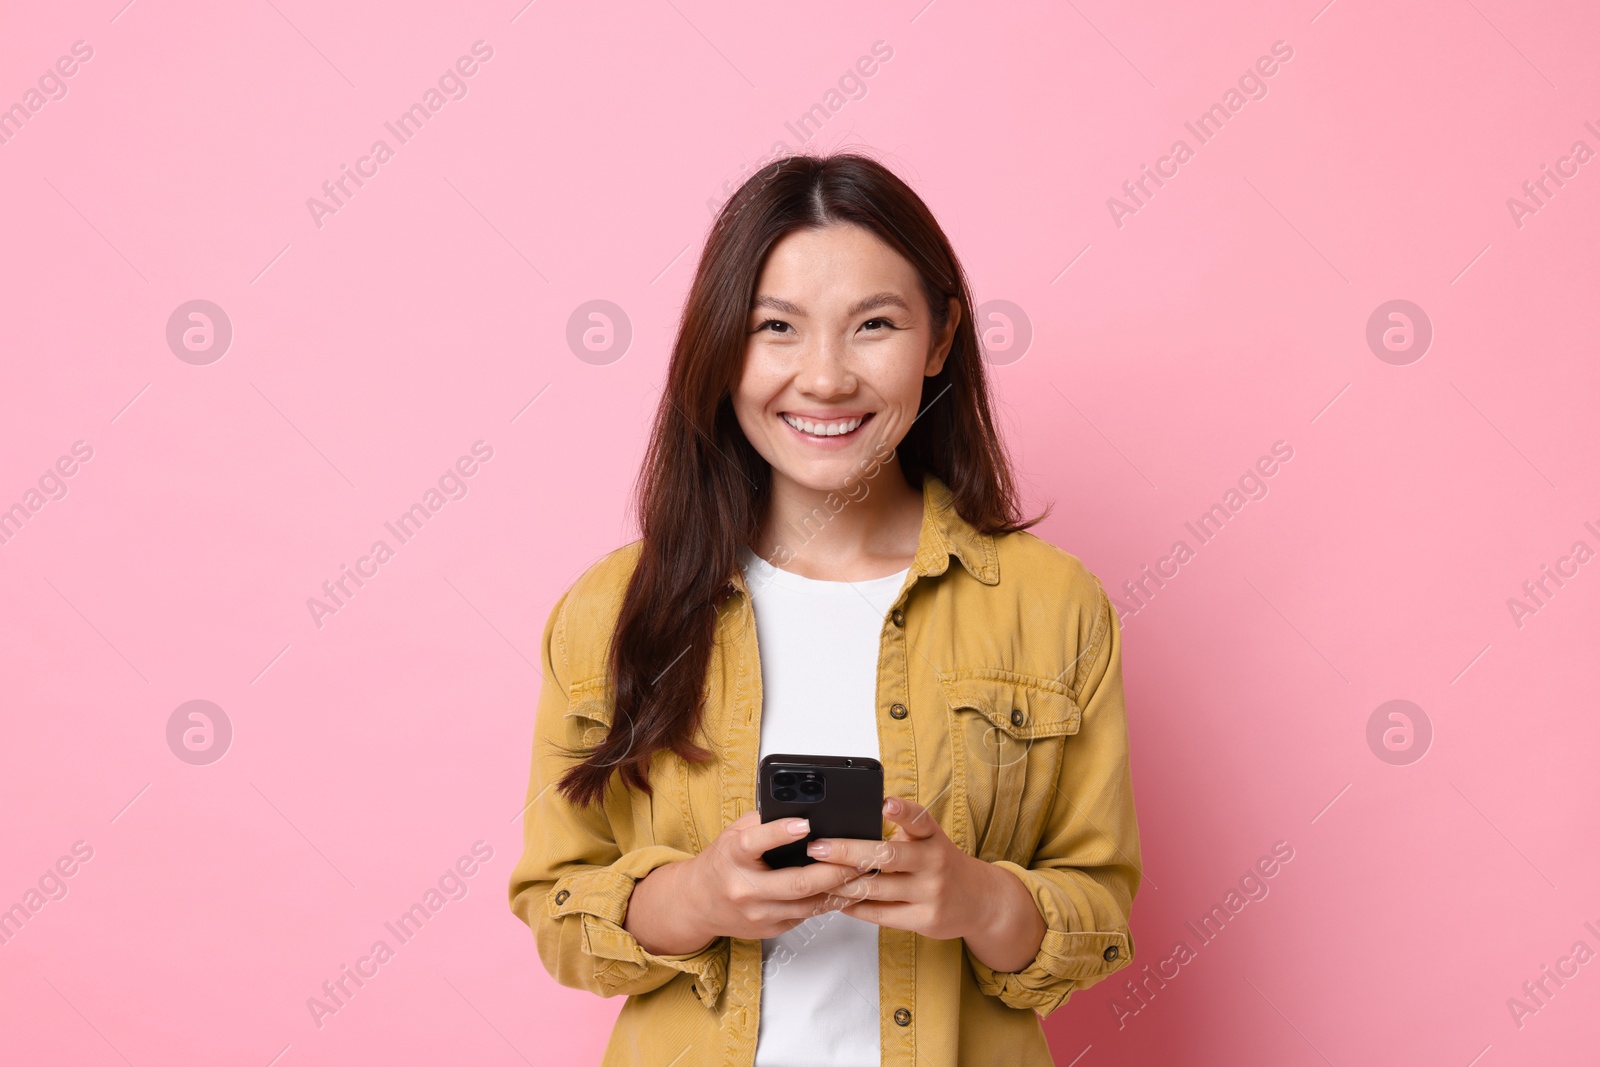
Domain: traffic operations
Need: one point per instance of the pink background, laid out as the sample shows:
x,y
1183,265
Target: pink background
x,y
1167,355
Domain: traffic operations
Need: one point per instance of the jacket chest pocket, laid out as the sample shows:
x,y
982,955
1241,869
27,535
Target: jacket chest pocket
x,y
1007,733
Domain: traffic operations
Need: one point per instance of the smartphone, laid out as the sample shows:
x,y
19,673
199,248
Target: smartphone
x,y
841,795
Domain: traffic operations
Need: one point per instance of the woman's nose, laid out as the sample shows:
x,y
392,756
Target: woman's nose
x,y
825,370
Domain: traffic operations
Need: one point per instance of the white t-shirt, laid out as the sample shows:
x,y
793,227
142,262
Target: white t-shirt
x,y
819,679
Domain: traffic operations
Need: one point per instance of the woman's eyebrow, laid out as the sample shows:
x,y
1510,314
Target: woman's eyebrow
x,y
870,303
776,303
878,300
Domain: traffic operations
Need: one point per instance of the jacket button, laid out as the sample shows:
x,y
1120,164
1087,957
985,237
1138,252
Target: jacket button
x,y
561,897
1017,718
1111,953
899,618
897,711
902,1017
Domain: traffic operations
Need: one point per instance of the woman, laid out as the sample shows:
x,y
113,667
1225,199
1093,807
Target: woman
x,y
832,561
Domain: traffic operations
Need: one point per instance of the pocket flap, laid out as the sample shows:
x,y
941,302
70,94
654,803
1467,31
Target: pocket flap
x,y
1022,705
587,700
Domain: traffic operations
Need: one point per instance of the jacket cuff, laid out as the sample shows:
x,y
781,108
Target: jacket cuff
x,y
1067,960
599,900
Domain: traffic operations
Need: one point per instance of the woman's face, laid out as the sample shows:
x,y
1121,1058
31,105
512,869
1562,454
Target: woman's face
x,y
838,342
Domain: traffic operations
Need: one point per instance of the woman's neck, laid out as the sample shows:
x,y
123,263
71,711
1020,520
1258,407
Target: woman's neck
x,y
869,529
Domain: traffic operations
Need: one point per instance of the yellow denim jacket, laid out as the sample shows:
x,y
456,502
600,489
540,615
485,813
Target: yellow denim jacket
x,y
1000,708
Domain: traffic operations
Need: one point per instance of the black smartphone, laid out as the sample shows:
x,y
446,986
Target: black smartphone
x,y
841,795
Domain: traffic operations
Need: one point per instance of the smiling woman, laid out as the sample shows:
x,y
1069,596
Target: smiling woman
x,y
828,373
827,365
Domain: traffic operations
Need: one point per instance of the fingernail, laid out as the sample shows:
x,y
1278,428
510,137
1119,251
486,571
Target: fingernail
x,y
891,806
799,826
817,850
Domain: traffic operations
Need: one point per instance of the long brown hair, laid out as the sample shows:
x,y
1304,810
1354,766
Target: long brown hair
x,y
703,489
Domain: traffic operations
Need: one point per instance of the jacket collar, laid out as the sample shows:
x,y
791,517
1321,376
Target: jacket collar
x,y
944,534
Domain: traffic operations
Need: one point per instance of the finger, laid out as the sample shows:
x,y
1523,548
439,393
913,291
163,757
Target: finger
x,y
821,904
862,855
754,839
911,817
800,883
791,913
895,915
778,925
889,887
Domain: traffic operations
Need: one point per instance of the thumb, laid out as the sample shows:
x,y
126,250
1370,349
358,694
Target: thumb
x,y
912,818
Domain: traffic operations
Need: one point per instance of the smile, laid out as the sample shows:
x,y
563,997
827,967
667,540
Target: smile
x,y
825,427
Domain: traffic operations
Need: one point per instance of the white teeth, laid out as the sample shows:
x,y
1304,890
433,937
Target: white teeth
x,y
822,429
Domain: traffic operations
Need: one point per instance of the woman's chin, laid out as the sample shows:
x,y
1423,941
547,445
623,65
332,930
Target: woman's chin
x,y
819,477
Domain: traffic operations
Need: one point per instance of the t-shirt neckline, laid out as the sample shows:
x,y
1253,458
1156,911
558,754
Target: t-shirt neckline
x,y
759,572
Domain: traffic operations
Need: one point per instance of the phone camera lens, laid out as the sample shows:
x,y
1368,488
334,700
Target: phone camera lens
x,y
811,788
784,793
783,778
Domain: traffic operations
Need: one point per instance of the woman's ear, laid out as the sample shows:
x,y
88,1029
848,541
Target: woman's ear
x,y
940,350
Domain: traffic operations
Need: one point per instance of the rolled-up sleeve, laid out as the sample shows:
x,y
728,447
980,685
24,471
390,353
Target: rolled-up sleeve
x,y
1086,869
572,884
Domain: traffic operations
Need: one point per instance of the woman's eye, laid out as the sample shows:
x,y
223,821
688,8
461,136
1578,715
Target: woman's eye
x,y
886,324
779,326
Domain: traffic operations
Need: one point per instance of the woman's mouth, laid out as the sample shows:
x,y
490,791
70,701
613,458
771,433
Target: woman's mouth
x,y
825,428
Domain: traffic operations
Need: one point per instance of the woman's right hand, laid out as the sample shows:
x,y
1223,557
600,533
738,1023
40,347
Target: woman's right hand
x,y
728,891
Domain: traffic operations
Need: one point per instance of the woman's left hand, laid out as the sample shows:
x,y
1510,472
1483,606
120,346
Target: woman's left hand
x,y
927,885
